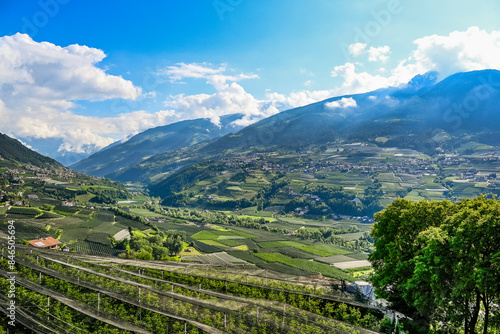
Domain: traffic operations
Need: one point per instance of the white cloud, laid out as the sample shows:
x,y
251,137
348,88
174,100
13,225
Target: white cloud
x,y
460,51
359,82
229,99
215,76
297,99
84,133
44,71
374,53
379,54
149,95
183,71
40,82
230,96
345,102
357,49
308,83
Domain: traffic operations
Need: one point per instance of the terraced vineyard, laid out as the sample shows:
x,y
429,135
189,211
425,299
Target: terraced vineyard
x,y
123,296
27,230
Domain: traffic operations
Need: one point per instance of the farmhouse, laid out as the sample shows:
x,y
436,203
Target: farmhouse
x,y
48,243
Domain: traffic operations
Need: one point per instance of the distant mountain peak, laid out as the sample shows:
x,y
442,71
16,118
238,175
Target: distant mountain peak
x,y
154,141
424,80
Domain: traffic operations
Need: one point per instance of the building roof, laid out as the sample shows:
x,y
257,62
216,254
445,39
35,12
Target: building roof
x,y
364,288
45,242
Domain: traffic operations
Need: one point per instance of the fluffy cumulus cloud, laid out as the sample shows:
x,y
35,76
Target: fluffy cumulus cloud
x,y
357,49
374,53
297,99
345,102
379,54
230,97
41,82
83,134
460,51
362,82
44,71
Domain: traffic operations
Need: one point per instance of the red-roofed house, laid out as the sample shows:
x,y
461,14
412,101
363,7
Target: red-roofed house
x,y
49,243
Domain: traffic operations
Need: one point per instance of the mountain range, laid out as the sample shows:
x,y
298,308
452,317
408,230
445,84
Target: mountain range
x,y
420,115
154,141
425,115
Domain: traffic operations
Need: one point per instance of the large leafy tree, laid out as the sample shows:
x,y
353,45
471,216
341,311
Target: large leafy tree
x,y
440,262
395,234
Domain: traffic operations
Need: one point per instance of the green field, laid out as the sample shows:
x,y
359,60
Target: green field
x,y
218,234
231,242
307,265
85,197
203,247
211,242
285,269
216,259
99,237
27,231
145,213
335,259
108,228
247,257
269,219
79,233
98,219
291,252
124,222
388,177
93,248
318,249
359,256
20,210
352,236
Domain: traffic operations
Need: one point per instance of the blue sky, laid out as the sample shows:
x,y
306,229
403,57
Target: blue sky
x,y
149,63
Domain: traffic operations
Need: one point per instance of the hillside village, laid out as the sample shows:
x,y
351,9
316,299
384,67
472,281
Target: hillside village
x,y
413,164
